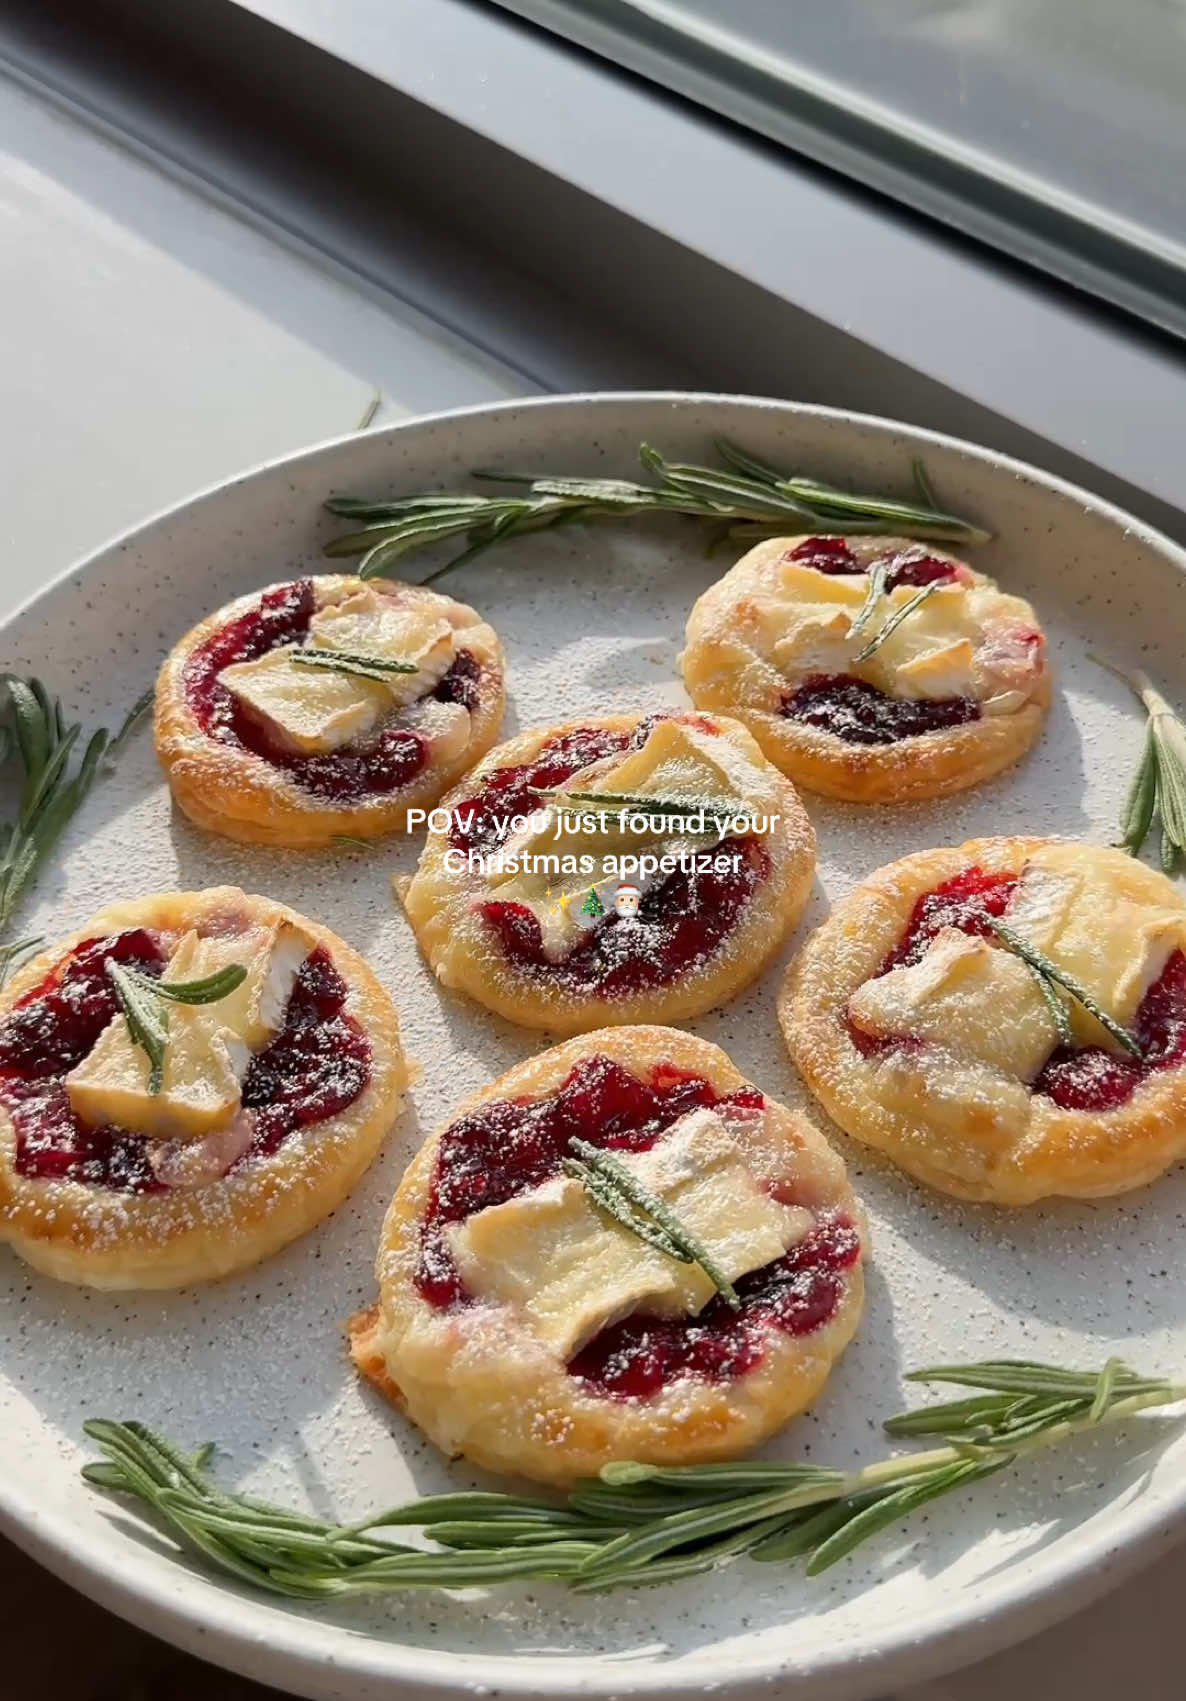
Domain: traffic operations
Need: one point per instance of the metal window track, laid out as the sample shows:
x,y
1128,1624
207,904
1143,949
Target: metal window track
x,y
586,230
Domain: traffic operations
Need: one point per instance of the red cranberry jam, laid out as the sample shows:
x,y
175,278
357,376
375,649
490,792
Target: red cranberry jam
x,y
859,713
316,1066
1086,1078
906,566
505,1148
680,922
389,759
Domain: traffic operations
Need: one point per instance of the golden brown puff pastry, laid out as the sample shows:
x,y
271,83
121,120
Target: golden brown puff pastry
x,y
270,750
595,939
271,1103
926,1034
523,1327
955,692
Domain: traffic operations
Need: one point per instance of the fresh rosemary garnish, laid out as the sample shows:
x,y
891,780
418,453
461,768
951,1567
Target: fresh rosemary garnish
x,y
878,574
1048,970
636,1523
142,998
1158,789
660,813
344,661
896,618
744,501
615,1187
33,726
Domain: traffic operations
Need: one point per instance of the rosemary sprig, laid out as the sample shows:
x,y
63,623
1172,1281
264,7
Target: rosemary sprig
x,y
33,726
745,500
143,999
637,1523
345,661
661,813
896,618
619,1191
615,1204
1158,789
1048,970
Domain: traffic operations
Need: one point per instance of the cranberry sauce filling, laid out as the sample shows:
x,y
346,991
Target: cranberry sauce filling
x,y
680,922
907,566
848,708
1076,1077
859,713
388,760
505,1148
966,901
800,1292
316,1066
50,1031
1094,1079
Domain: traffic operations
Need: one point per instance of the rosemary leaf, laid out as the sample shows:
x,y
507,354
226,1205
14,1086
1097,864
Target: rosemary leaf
x,y
140,997
148,1024
922,483
1058,1010
661,812
1158,790
1050,970
209,990
612,1174
1141,803
890,1508
896,619
343,661
873,596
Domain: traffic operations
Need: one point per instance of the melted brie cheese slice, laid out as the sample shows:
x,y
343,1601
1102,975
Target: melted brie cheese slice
x,y
676,761
209,1045
314,710
1114,947
975,999
949,646
573,1270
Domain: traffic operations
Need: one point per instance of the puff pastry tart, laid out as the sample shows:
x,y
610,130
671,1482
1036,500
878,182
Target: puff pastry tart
x,y
556,903
871,669
269,1102
522,1325
326,706
919,1018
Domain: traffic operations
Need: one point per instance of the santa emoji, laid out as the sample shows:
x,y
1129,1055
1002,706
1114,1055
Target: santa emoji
x,y
627,900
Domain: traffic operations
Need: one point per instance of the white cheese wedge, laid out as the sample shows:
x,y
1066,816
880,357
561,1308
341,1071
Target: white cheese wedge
x,y
370,624
308,710
573,1270
312,710
931,653
1115,948
965,639
975,999
209,1045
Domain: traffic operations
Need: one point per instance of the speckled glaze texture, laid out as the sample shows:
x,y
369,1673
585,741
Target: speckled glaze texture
x,y
592,621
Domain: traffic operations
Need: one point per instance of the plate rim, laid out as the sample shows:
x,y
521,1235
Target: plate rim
x,y
924,1646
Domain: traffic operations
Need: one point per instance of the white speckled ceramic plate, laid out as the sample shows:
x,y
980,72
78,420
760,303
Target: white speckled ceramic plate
x,y
592,621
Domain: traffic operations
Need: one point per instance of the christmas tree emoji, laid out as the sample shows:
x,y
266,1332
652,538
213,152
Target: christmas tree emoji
x,y
592,904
